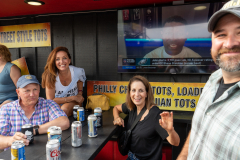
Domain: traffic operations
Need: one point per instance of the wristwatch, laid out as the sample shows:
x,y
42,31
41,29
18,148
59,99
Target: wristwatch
x,y
36,129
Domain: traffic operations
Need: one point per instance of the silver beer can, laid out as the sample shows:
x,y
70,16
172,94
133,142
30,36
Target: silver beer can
x,y
98,114
55,132
92,129
76,131
75,108
52,150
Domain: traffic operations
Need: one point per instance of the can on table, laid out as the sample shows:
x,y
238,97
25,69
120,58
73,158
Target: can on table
x,y
80,114
76,131
98,114
75,108
55,132
27,129
52,150
18,150
92,129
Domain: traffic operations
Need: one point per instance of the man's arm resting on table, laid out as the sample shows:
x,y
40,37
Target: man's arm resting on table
x,y
6,141
62,122
184,153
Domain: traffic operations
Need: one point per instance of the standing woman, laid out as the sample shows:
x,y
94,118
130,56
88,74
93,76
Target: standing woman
x,y
154,126
9,74
63,82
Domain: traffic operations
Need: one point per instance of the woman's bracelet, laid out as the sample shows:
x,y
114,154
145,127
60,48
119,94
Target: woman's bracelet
x,y
79,91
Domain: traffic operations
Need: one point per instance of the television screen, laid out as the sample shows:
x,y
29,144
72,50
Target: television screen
x,y
168,39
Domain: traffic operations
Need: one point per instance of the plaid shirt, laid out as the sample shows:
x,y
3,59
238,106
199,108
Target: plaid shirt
x,y
215,133
12,117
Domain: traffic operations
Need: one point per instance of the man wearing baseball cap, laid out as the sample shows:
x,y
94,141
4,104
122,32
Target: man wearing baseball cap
x,y
215,132
29,109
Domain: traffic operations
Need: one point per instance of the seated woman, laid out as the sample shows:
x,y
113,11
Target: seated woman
x,y
154,125
9,74
63,82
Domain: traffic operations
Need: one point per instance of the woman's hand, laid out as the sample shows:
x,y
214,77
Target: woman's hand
x,y
79,98
118,121
166,121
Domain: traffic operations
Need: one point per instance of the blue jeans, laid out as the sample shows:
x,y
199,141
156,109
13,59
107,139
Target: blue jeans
x,y
131,156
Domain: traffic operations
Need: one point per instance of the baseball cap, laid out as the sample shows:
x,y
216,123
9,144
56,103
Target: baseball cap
x,y
25,80
232,7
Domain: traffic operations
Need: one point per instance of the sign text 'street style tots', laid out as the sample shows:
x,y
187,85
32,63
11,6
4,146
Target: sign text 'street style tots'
x,y
27,35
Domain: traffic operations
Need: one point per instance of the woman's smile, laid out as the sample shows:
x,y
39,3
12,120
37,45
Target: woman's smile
x,y
138,93
62,60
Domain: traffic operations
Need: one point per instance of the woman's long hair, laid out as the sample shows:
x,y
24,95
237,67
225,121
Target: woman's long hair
x,y
149,101
50,70
5,53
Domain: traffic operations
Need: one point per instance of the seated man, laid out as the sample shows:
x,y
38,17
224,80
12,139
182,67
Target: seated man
x,y
29,109
174,35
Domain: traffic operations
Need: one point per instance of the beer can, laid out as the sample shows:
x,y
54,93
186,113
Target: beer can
x,y
55,132
52,150
98,114
76,131
27,129
18,150
92,129
81,114
75,108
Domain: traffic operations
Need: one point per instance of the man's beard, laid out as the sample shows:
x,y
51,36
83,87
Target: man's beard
x,y
231,64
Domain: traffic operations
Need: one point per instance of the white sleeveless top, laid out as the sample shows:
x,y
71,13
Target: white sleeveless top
x,y
59,88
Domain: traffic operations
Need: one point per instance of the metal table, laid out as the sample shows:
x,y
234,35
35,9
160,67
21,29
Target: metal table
x,y
89,149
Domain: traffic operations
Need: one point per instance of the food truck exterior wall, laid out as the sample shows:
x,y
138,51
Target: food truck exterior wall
x,y
92,41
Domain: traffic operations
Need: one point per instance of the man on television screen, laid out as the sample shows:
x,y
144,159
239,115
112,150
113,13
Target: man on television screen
x,y
174,35
215,131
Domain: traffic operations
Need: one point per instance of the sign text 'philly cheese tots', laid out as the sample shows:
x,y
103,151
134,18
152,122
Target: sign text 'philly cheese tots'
x,y
167,95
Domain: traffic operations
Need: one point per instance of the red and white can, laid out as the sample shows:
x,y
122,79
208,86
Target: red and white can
x,y
52,150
